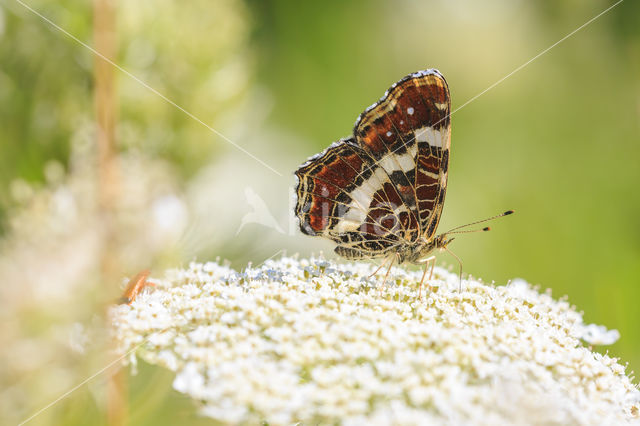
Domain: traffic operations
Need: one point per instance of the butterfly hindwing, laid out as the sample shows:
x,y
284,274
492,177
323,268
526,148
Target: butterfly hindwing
x,y
334,200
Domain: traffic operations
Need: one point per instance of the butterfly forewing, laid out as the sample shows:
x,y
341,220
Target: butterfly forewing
x,y
385,186
408,133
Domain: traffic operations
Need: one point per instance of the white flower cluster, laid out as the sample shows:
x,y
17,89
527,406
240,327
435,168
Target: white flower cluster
x,y
317,342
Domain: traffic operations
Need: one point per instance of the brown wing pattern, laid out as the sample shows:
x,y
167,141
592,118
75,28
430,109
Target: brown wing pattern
x,y
332,201
408,133
385,186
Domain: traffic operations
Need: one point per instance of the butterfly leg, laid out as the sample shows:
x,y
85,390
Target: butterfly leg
x,y
393,259
384,262
460,263
431,259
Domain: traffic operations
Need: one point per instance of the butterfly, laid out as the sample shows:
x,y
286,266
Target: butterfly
x,y
380,192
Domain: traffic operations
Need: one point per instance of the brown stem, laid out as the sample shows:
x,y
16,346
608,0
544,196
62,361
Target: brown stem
x,y
104,33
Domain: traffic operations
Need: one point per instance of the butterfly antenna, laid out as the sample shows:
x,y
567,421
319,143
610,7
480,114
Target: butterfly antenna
x,y
470,231
507,213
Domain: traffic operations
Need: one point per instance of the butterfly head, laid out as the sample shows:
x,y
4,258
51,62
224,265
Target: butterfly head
x,y
442,241
422,251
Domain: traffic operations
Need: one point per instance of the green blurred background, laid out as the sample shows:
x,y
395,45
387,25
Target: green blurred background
x,y
558,141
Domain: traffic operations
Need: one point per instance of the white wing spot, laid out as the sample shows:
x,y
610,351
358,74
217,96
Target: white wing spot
x,y
431,136
389,133
401,122
405,162
410,110
362,196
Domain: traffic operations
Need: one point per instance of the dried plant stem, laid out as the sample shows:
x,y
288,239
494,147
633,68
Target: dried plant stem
x,y
106,113
105,99
116,398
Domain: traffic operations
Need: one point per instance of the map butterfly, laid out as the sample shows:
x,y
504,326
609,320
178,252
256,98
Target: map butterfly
x,y
379,193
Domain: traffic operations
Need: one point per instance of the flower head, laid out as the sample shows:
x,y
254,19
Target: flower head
x,y
315,341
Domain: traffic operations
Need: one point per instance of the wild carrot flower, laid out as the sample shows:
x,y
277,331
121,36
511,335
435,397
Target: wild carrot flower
x,y
318,342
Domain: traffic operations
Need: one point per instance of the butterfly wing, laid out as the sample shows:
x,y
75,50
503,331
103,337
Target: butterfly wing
x,y
334,200
408,134
385,186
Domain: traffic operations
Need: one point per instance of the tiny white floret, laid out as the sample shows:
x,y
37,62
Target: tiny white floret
x,y
316,342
